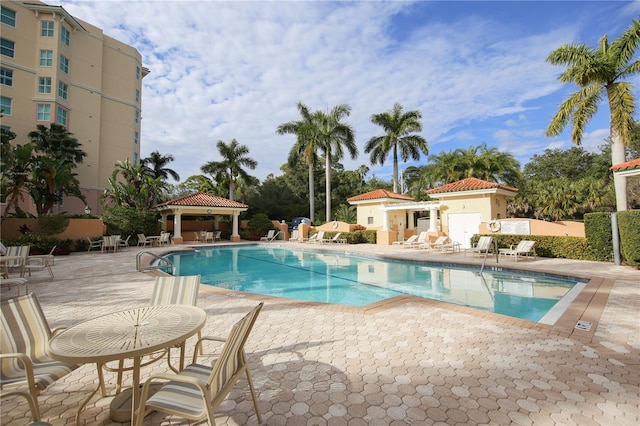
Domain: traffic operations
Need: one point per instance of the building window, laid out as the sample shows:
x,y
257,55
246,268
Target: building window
x,y
46,29
63,89
137,116
6,76
137,96
7,48
65,35
64,64
44,84
5,105
135,158
44,112
136,137
8,17
137,73
46,58
370,220
62,116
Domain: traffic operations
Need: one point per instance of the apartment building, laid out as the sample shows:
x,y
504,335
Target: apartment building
x,y
57,68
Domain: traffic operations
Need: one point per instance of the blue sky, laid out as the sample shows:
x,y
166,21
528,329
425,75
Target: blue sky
x,y
223,70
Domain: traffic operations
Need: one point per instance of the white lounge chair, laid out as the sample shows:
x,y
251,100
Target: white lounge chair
x,y
438,243
523,249
269,235
143,241
335,239
420,241
482,247
409,240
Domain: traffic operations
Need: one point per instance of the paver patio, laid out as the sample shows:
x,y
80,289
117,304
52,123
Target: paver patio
x,y
411,361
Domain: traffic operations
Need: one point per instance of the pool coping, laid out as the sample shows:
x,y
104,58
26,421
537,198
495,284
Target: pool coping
x,y
579,321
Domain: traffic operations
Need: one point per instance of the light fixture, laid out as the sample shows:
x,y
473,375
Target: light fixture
x,y
87,210
208,211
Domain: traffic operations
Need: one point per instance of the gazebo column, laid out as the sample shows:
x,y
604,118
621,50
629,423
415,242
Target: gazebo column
x,y
177,228
433,217
235,236
216,222
385,220
412,219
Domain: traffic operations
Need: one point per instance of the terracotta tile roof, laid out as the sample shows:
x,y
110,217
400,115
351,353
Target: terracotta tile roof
x,y
380,193
200,199
627,165
469,184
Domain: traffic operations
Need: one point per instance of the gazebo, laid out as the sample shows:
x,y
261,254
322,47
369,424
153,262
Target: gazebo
x,y
200,204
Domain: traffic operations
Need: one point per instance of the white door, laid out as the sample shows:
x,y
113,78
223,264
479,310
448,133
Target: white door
x,y
462,226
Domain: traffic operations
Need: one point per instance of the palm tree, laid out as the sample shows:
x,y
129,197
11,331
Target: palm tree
x,y
306,147
234,159
333,137
158,162
598,72
58,143
398,127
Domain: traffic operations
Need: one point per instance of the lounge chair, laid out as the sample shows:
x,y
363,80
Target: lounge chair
x,y
217,236
143,241
19,282
269,235
335,239
49,256
420,242
294,235
438,243
318,238
27,368
406,242
21,253
523,249
110,243
165,239
482,247
123,244
167,290
35,263
94,244
198,390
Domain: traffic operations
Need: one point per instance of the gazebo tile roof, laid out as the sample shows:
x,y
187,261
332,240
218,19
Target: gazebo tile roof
x,y
627,165
380,193
200,199
469,184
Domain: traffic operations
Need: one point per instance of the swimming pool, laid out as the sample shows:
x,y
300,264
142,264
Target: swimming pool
x,y
328,277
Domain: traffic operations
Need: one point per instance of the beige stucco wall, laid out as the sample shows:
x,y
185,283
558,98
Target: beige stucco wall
x,y
541,227
77,229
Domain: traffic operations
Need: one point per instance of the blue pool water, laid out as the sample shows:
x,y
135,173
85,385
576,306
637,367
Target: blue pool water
x,y
328,277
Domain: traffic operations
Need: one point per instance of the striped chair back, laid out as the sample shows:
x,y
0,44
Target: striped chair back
x,y
170,290
484,243
22,251
24,330
232,359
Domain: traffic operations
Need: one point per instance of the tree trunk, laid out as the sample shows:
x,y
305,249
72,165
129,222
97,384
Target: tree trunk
x,y
311,193
395,170
619,182
327,174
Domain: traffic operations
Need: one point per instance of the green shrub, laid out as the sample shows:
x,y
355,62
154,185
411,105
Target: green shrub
x,y
597,228
260,224
52,224
128,220
629,226
547,246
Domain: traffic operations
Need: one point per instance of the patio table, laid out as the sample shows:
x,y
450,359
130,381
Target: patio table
x,y
128,334
154,240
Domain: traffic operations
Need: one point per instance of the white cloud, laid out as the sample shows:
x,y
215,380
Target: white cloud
x,y
235,70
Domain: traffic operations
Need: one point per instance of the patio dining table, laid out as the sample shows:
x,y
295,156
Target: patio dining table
x,y
128,334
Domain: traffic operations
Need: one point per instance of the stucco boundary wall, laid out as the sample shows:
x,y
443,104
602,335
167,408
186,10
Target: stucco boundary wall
x,y
541,227
77,229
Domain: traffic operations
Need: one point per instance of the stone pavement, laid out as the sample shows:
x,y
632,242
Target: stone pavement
x,y
407,361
